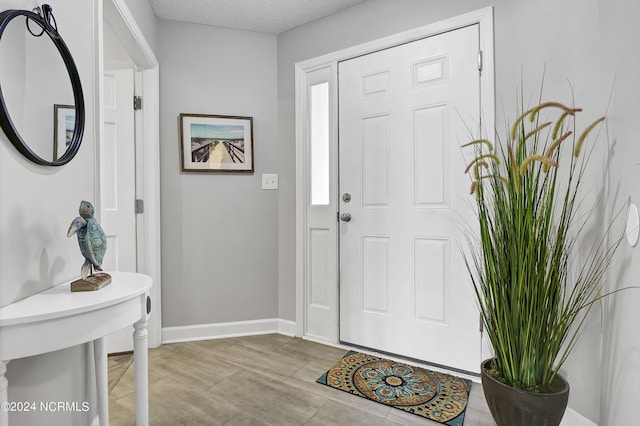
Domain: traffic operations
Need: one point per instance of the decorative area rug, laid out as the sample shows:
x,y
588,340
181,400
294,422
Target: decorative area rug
x,y
436,396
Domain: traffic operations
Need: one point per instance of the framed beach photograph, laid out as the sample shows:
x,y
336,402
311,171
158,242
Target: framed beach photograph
x,y
216,143
64,121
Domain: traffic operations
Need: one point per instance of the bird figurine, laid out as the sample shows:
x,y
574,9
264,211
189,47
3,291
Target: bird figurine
x,y
91,239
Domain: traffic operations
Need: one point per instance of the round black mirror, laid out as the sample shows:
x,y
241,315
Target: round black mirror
x,y
39,82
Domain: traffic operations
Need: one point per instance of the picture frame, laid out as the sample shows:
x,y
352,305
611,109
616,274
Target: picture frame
x,y
64,121
216,143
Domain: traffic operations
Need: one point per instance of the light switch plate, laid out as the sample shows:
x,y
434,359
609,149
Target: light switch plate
x,y
269,181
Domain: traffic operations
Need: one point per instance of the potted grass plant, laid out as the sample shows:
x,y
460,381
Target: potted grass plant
x,y
533,305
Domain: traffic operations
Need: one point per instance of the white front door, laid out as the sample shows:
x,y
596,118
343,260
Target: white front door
x,y
404,287
118,184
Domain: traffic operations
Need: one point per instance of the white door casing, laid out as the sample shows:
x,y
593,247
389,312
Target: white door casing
x,y
306,76
404,288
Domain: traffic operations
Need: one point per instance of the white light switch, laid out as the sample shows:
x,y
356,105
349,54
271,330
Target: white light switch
x,y
269,181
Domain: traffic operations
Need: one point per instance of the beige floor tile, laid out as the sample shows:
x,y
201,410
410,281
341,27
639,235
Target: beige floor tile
x,y
117,370
244,419
192,367
311,351
268,399
175,403
208,346
310,372
256,380
479,421
269,363
305,379
333,413
125,386
161,351
121,358
265,342
121,414
408,419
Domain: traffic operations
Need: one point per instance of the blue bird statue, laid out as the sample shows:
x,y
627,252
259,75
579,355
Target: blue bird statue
x,y
91,239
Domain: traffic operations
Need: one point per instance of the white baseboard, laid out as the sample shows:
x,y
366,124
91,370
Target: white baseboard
x,y
573,418
227,329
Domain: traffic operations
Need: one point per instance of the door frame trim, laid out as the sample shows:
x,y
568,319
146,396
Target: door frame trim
x,y
120,18
483,17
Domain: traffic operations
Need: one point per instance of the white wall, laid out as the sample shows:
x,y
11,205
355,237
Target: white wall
x,y
219,230
562,36
37,207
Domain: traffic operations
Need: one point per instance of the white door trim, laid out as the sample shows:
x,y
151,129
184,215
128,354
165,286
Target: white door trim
x,y
483,17
119,17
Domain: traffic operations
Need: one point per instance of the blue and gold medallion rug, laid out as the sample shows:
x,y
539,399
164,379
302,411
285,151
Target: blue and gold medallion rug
x,y
436,396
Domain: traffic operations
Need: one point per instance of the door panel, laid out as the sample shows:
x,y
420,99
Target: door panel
x,y
375,161
431,257
117,157
430,182
403,284
375,271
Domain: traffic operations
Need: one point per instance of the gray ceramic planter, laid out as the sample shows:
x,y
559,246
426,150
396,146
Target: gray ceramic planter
x,y
511,406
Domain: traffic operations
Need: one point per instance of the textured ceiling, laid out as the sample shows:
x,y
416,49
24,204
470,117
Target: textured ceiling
x,y
266,16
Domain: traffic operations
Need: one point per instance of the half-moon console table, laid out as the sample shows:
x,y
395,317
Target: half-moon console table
x,y
57,318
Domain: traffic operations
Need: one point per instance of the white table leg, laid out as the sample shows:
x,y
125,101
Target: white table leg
x,y
4,394
141,364
102,379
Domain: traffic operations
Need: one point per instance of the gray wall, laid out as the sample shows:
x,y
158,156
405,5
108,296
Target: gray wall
x,y
146,19
562,36
219,231
620,373
37,207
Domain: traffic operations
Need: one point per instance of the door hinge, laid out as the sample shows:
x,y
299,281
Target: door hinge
x,y
137,103
139,206
479,60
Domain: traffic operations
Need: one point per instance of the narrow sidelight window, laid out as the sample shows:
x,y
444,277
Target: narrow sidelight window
x,y
319,101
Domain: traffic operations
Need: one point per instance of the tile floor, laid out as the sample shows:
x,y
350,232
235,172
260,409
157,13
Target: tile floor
x,y
257,380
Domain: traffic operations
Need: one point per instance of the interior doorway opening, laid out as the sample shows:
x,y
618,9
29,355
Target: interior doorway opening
x,y
121,46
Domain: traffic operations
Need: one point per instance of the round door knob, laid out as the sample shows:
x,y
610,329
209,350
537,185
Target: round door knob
x,y
345,217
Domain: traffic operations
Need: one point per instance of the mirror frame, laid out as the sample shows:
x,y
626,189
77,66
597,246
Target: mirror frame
x,y
5,120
